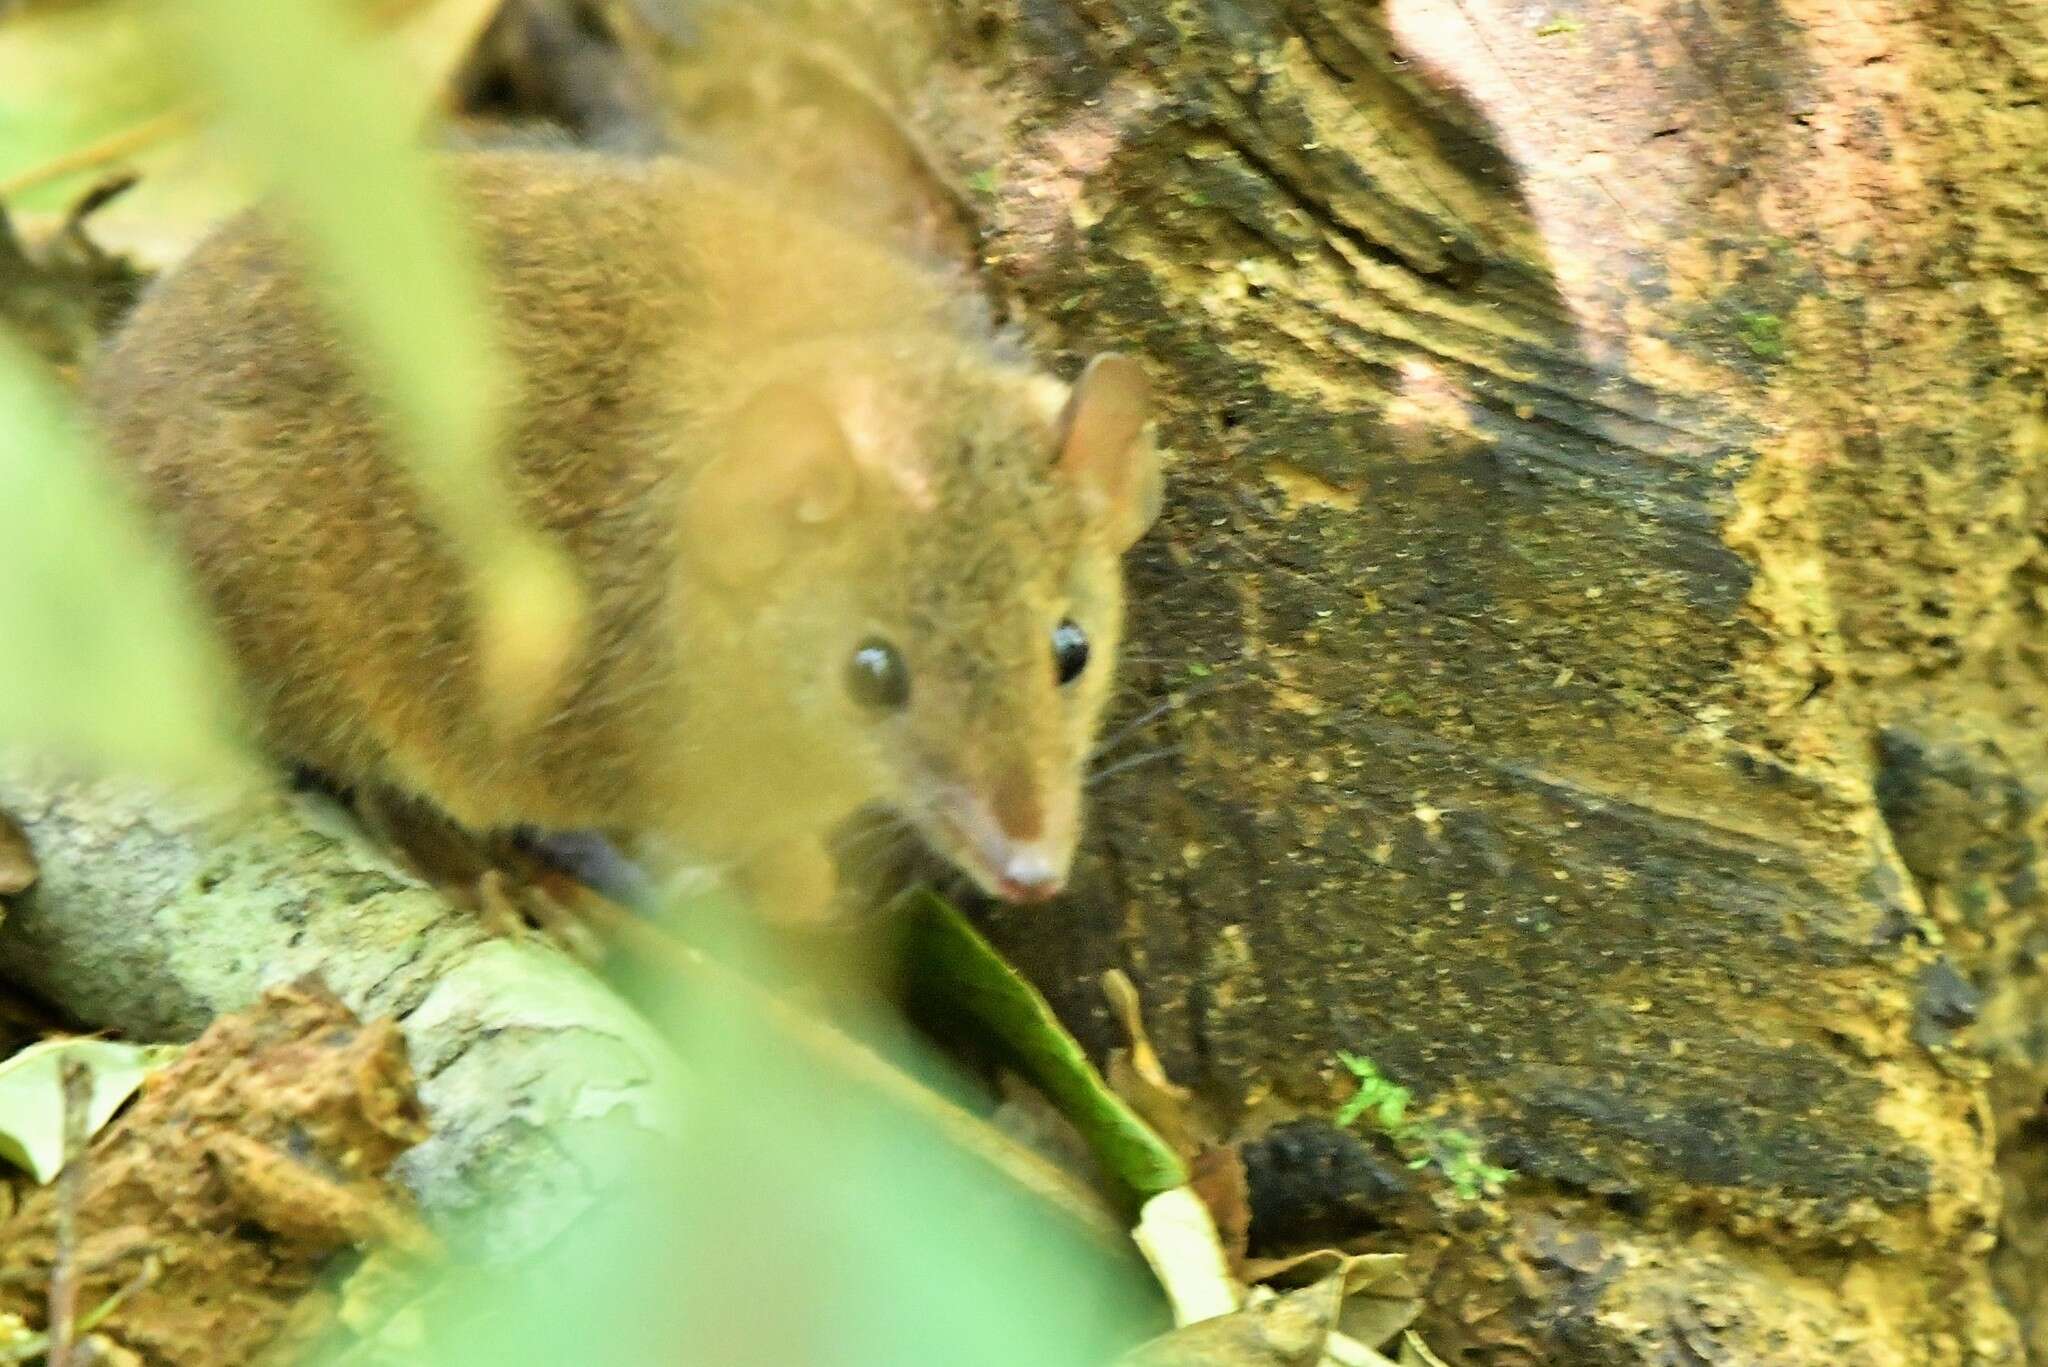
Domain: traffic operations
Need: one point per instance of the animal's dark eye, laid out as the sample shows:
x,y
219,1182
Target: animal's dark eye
x,y
877,677
1069,650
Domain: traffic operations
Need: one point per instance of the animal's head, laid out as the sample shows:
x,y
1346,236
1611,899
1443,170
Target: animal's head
x,y
930,553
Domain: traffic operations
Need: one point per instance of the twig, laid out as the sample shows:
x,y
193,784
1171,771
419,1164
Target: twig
x,y
37,1345
151,1266
157,128
70,1190
116,145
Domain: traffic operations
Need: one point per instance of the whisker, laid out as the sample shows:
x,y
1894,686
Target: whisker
x,y
878,818
1129,728
1170,703
870,841
1129,762
1193,672
1196,675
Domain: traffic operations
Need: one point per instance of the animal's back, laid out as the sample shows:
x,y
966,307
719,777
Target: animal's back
x,y
628,294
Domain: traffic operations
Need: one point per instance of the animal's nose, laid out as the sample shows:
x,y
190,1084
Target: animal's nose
x,y
1016,805
1031,874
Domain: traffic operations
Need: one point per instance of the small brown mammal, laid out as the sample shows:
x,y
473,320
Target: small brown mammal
x,y
841,544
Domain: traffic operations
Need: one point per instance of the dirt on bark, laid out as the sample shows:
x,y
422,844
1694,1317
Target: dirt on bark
x,y
214,1203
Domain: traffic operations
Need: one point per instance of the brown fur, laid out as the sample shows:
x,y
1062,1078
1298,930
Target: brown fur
x,y
644,305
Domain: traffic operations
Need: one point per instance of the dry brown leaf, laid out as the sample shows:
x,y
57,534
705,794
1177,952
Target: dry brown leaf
x,y
1379,1297
1217,1174
1216,1170
1136,1074
1285,1331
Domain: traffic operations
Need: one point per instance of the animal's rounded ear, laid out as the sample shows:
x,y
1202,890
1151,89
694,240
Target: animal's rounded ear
x,y
783,471
1105,450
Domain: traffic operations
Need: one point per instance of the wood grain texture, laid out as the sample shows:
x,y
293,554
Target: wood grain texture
x,y
1598,609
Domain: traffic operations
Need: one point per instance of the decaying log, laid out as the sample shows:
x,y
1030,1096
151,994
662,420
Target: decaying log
x,y
209,1209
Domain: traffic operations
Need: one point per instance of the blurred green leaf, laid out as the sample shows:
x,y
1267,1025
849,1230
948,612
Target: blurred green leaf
x,y
953,964
72,77
325,116
105,656
805,1217
313,105
85,93
32,1095
310,105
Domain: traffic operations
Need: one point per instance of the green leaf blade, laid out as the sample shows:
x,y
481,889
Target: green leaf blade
x,y
953,962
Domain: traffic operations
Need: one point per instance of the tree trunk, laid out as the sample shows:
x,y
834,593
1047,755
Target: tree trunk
x,y
1601,602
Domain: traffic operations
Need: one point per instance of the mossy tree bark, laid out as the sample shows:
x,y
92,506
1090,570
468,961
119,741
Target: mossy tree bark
x,y
1603,592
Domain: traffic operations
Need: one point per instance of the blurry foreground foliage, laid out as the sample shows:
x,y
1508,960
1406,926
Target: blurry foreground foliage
x,y
104,655
324,108
804,1220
